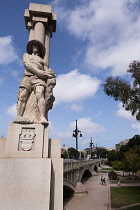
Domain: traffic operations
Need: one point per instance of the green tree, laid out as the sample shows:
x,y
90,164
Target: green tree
x,y
121,90
123,149
117,165
112,156
64,155
133,160
134,141
82,155
94,154
125,166
137,149
72,153
112,175
101,152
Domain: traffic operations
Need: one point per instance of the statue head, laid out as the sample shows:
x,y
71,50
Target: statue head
x,y
35,49
37,46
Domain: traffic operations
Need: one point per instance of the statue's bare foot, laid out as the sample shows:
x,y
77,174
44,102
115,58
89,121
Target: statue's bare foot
x,y
43,120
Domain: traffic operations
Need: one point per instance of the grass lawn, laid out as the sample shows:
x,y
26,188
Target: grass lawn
x,y
130,181
123,196
107,169
124,181
133,208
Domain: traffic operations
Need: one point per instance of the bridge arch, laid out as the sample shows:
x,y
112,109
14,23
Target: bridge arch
x,y
68,184
96,168
85,173
68,189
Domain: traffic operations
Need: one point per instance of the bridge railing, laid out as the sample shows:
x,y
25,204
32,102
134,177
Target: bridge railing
x,y
74,164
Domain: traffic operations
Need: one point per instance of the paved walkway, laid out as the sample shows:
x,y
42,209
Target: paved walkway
x,y
96,199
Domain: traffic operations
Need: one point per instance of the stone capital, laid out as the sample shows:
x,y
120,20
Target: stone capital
x,y
40,13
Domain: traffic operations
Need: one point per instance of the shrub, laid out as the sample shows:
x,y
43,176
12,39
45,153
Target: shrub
x,y
112,175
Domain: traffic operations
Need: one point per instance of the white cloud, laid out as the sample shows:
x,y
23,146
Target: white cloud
x,y
87,126
8,53
85,142
111,29
65,134
76,107
116,57
74,86
136,126
12,110
125,114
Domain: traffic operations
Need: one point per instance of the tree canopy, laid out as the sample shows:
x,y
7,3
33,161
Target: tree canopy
x,y
72,153
128,94
133,159
128,158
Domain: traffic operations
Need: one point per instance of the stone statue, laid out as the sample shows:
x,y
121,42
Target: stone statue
x,y
35,97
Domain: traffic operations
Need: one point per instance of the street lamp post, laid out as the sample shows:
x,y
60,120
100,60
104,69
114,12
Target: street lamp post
x,y
91,146
75,135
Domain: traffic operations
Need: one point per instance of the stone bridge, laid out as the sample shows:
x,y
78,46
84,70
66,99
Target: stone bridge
x,y
76,171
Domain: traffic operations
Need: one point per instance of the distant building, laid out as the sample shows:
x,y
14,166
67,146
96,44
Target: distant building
x,y
110,149
63,149
87,152
122,143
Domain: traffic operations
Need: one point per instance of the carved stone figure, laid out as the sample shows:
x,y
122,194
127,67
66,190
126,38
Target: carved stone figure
x,y
35,96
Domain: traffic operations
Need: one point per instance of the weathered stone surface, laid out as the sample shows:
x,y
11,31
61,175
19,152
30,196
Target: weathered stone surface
x,y
25,183
2,147
35,96
31,175
80,189
40,10
57,184
39,145
54,148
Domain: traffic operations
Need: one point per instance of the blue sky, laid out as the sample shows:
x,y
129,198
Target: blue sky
x,y
94,39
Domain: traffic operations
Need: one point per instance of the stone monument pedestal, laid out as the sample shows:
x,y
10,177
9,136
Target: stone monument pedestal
x,y
27,140
31,175
25,183
31,168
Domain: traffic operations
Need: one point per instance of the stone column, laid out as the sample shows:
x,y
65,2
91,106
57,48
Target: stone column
x,y
39,32
41,23
31,34
47,46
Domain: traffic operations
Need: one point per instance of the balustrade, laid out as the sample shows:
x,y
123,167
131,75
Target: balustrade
x,y
73,164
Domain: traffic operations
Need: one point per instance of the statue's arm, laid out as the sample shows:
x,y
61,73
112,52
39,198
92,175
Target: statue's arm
x,y
49,72
28,65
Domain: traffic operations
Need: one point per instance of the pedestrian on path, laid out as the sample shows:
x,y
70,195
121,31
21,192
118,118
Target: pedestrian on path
x,y
119,184
104,181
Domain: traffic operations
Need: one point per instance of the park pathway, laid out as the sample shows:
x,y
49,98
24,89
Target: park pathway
x,y
98,197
